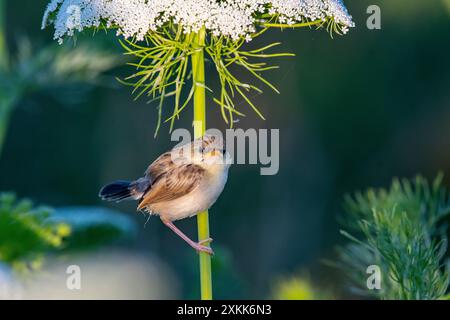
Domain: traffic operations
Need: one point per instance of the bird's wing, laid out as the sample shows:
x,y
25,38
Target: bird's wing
x,y
174,184
160,167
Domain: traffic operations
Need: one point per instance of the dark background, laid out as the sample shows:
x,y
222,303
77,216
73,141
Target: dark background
x,y
354,112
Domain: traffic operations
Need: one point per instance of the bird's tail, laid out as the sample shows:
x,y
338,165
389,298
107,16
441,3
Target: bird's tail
x,y
125,190
118,191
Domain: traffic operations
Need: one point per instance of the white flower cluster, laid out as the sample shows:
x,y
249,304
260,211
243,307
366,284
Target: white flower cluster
x,y
230,18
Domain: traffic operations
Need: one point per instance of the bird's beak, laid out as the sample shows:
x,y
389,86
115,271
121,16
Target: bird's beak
x,y
213,153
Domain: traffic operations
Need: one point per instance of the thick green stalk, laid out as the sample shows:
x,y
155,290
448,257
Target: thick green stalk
x,y
198,71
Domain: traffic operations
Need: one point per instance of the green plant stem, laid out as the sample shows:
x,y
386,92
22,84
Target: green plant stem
x,y
5,115
6,103
198,74
3,49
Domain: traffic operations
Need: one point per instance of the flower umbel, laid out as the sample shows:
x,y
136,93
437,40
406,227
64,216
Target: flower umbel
x,y
230,18
160,34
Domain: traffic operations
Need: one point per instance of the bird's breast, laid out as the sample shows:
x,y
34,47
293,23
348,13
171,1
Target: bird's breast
x,y
199,199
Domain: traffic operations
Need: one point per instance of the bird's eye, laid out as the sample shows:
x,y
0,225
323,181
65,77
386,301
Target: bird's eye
x,y
202,149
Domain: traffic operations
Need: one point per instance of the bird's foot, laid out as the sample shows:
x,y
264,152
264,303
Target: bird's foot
x,y
201,248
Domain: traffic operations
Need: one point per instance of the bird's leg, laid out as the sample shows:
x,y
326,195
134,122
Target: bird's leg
x,y
197,246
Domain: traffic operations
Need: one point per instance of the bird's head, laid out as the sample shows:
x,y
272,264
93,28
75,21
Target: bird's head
x,y
207,151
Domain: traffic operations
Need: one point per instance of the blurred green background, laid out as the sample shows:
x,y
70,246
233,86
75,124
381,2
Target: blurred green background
x,y
354,111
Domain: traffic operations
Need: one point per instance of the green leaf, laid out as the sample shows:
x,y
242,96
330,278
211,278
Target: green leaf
x,y
26,232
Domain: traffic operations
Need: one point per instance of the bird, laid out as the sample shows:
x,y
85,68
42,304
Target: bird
x,y
180,183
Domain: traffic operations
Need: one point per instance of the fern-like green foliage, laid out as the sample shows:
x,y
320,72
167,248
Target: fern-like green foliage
x,y
26,233
403,231
163,70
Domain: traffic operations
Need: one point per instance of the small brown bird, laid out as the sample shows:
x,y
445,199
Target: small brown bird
x,y
179,184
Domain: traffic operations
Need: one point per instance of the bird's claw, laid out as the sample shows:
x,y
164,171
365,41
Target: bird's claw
x,y
208,240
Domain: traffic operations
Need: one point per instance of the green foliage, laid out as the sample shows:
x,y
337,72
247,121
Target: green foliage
x,y
26,233
401,230
163,71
